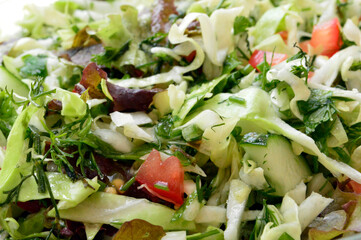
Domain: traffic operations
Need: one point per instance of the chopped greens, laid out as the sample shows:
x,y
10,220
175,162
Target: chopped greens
x,y
173,119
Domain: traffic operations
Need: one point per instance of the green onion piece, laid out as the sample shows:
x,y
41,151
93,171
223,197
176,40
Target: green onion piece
x,y
127,184
161,185
237,100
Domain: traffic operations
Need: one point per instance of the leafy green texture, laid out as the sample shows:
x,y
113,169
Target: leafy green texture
x,y
28,228
10,174
7,113
269,214
211,233
113,33
116,209
354,135
285,236
192,133
111,54
72,105
70,193
179,213
165,127
197,95
139,229
34,66
342,155
241,24
230,63
355,66
305,67
319,108
268,24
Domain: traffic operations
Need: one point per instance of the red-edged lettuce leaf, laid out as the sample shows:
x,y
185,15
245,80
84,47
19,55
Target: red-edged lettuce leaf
x,y
82,55
92,76
126,99
160,16
139,229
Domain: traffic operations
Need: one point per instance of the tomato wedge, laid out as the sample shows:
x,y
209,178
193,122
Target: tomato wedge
x,y
258,57
356,187
326,37
164,179
284,35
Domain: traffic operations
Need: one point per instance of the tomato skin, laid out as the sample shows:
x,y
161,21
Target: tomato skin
x,y
356,187
191,56
304,45
258,57
284,35
169,172
326,36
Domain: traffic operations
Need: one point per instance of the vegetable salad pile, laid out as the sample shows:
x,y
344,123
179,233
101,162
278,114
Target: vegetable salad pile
x,y
166,119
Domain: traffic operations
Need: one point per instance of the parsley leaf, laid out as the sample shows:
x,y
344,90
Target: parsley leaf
x,y
318,109
34,66
342,155
302,71
354,136
230,63
111,54
241,24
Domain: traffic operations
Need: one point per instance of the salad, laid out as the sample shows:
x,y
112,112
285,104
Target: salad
x,y
184,120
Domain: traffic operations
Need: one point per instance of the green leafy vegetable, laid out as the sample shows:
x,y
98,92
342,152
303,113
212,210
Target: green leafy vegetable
x,y
285,236
179,213
34,66
241,24
110,55
231,62
216,233
355,66
7,113
319,108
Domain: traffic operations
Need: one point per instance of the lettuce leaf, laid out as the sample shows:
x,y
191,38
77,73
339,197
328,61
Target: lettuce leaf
x,y
115,209
258,113
30,228
69,193
269,24
72,105
14,163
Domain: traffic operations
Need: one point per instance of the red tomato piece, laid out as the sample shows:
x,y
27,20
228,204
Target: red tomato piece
x,y
326,36
304,45
284,35
191,56
356,187
258,57
164,179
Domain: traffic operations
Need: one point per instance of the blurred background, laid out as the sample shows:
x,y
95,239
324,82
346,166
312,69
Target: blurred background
x,y
12,11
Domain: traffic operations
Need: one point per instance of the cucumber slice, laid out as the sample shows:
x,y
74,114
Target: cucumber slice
x,y
282,168
12,83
